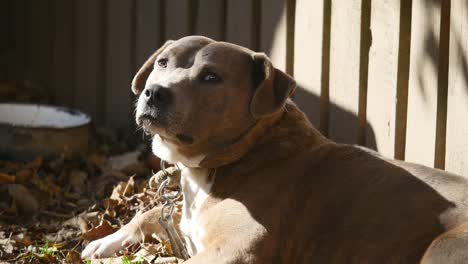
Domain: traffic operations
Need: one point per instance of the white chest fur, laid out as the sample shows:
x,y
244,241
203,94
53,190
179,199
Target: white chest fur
x,y
196,186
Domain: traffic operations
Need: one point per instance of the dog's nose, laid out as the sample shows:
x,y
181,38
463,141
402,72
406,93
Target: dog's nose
x,y
157,95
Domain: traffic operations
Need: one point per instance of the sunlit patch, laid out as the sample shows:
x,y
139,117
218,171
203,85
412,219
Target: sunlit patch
x,y
168,151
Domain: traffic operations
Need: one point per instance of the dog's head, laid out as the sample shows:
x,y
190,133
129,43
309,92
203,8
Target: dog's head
x,y
197,95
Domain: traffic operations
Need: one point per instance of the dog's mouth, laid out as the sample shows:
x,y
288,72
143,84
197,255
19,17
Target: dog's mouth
x,y
149,122
147,119
185,139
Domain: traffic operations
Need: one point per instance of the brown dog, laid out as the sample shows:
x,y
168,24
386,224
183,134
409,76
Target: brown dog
x,y
261,185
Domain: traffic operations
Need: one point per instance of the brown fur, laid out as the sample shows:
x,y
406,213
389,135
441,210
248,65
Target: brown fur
x,y
283,193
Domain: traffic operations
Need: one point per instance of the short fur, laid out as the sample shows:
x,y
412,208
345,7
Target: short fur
x,y
280,191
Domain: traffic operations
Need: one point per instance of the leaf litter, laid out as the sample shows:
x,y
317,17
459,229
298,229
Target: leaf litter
x,y
51,208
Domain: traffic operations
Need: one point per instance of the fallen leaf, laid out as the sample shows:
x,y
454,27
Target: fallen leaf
x,y
73,257
22,238
23,199
5,178
77,181
24,175
121,161
7,245
46,185
77,222
35,164
99,161
123,189
99,231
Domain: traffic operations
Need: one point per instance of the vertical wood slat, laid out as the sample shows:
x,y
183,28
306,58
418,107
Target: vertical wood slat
x,y
6,47
308,56
16,29
382,76
442,86
211,19
240,17
404,48
19,36
365,43
290,35
423,82
149,34
274,31
344,70
89,72
40,42
457,127
63,52
118,64
178,16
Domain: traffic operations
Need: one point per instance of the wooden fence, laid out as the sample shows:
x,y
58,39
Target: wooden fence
x,y
389,74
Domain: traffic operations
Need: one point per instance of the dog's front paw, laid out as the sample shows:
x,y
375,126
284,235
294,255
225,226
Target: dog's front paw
x,y
110,244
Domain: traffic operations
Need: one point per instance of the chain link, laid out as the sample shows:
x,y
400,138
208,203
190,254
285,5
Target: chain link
x,y
167,211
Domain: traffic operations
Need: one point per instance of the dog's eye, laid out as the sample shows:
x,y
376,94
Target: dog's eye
x,y
162,63
210,77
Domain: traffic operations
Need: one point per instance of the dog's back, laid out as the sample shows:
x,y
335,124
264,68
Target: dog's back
x,y
332,203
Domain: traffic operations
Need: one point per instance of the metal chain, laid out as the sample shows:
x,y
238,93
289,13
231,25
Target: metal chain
x,y
166,219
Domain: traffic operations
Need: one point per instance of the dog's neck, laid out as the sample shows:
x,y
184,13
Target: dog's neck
x,y
288,137
272,131
272,139
269,134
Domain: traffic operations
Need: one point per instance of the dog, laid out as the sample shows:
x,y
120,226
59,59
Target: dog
x,y
262,185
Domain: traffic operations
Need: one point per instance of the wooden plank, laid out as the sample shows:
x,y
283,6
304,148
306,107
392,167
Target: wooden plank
x,y
63,61
423,82
240,31
273,30
148,33
19,36
211,19
177,19
344,70
403,78
442,86
457,127
40,43
382,74
6,47
308,57
118,65
89,79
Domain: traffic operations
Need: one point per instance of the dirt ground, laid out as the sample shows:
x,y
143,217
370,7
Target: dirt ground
x,y
51,207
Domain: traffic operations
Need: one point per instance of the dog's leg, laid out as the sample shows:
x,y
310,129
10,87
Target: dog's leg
x,y
224,250
140,227
449,248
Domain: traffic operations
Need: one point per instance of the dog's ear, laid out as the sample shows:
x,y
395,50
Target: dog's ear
x,y
272,87
139,81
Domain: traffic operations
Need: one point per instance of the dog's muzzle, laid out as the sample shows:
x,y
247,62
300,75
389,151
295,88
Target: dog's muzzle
x,y
153,106
157,96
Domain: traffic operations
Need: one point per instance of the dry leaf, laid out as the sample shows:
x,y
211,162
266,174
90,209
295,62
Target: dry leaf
x,y
35,164
5,178
77,181
24,175
22,238
73,257
124,160
23,199
99,231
